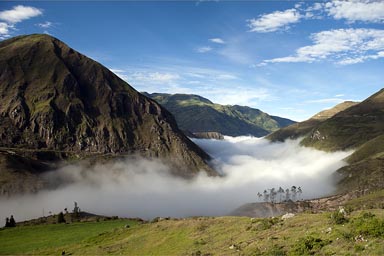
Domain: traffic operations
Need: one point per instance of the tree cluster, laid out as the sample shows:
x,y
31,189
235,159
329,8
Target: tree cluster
x,y
280,195
10,222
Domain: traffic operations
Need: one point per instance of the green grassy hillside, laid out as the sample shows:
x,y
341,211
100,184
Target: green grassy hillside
x,y
329,233
48,238
348,126
196,114
304,128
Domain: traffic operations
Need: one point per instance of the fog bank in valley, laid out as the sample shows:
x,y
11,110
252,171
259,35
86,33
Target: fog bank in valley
x,y
143,188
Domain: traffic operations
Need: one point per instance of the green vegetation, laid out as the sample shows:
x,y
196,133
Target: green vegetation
x,y
338,217
48,238
196,114
309,245
372,200
303,234
304,128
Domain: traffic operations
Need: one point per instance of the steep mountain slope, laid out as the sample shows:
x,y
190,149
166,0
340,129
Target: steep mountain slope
x,y
301,129
54,98
196,114
360,127
349,126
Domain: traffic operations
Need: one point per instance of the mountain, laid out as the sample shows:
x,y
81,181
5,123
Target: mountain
x,y
301,129
197,114
58,104
350,126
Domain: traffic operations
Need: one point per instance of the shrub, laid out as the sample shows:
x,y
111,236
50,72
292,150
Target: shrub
x,y
266,223
368,224
309,245
276,251
338,218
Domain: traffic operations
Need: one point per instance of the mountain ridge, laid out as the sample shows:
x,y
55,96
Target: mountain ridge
x,y
197,114
348,126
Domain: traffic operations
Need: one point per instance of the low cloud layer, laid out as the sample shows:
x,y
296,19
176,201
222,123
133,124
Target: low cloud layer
x,y
143,188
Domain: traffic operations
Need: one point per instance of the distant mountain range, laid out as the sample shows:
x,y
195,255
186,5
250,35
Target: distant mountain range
x,y
350,125
57,104
196,114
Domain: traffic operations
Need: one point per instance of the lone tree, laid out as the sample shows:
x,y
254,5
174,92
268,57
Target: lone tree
x,y
287,194
259,195
60,218
294,192
280,192
266,196
12,222
299,191
272,195
76,212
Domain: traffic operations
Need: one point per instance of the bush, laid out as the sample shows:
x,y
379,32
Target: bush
x,y
276,251
338,218
309,245
368,224
266,223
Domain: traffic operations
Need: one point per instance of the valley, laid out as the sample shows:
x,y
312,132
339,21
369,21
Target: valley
x,y
72,130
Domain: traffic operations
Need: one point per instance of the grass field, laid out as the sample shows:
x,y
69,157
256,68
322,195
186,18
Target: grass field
x,y
358,233
48,238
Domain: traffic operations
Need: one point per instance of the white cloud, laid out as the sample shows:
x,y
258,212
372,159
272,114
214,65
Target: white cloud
x,y
226,77
143,188
316,7
155,77
342,46
274,21
46,24
120,73
236,54
204,49
217,40
220,86
4,30
329,100
19,13
237,95
356,10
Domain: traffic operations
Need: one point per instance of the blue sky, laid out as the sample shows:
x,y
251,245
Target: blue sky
x,y
287,58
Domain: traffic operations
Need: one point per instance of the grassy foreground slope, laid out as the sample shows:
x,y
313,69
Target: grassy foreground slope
x,y
359,233
48,238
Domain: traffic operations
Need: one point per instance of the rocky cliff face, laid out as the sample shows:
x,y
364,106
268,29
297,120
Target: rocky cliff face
x,y
54,98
